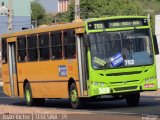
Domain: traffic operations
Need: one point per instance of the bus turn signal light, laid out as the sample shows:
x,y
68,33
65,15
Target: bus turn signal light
x,y
149,85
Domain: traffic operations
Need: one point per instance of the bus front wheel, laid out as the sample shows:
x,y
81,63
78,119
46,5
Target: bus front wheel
x,y
133,99
30,101
74,98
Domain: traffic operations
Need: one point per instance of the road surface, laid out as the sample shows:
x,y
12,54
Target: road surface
x,y
148,106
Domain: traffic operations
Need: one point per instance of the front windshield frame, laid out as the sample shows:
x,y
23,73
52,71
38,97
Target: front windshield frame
x,y
103,62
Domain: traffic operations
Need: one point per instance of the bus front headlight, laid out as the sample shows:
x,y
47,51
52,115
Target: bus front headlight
x,y
150,79
95,83
102,84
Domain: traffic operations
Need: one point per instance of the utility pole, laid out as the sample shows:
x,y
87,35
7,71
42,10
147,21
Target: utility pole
x,y
77,9
34,24
10,16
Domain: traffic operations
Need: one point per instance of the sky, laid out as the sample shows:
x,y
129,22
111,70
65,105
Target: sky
x,y
49,5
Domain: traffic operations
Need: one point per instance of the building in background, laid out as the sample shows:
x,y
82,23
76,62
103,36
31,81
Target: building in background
x,y
63,5
21,11
21,17
54,6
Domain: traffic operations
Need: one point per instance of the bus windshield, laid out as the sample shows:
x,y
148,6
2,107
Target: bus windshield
x,y
121,49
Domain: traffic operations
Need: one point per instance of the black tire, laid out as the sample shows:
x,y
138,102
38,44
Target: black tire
x,y
133,99
30,101
73,92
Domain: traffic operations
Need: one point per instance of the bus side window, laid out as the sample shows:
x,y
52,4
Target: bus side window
x,y
21,43
56,45
32,48
4,51
44,46
69,44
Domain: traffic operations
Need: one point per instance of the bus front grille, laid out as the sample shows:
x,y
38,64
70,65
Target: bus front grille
x,y
124,73
125,88
125,82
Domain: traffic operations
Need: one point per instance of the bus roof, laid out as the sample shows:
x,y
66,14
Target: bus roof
x,y
115,17
44,29
75,24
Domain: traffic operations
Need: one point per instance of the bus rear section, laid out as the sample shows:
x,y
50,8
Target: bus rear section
x,y
42,64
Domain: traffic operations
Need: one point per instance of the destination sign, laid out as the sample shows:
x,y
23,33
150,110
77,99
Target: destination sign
x,y
125,24
104,24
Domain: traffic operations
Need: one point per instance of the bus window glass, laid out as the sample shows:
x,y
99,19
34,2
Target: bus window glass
x,y
32,48
21,42
32,41
56,45
4,51
69,44
121,49
44,47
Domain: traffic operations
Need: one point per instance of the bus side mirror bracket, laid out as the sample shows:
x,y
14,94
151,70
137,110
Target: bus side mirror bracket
x,y
155,45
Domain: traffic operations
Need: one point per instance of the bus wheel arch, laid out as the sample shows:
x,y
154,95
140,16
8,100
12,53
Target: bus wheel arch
x,y
73,94
24,84
28,93
71,80
30,101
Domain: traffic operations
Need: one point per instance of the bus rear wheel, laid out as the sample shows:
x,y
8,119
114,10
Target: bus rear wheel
x,y
133,99
30,101
74,98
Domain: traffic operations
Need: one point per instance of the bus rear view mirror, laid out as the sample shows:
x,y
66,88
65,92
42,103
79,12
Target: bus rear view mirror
x,y
155,45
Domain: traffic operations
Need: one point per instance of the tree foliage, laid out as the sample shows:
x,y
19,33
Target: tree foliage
x,y
104,8
67,16
39,14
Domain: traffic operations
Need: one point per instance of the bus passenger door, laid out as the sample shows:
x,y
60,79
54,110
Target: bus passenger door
x,y
13,68
82,63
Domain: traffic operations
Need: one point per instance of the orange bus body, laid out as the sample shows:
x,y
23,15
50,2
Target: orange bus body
x,y
43,76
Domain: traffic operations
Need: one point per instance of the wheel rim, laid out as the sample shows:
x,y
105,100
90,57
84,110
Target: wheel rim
x,y
28,97
74,96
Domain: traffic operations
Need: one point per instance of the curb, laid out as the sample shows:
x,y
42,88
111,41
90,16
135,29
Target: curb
x,y
151,93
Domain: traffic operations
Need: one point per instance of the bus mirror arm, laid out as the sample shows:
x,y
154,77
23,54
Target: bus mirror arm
x,y
155,45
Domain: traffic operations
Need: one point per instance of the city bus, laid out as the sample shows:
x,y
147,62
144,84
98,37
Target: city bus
x,y
111,58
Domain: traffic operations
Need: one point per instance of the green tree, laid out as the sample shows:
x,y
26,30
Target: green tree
x,y
104,8
39,14
67,16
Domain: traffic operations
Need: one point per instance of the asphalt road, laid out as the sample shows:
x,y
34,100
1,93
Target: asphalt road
x,y
148,105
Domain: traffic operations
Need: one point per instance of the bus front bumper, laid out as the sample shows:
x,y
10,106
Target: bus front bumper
x,y
104,89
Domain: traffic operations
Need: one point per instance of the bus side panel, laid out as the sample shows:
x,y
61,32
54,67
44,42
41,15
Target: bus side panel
x,y
6,80
21,89
49,90
48,79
